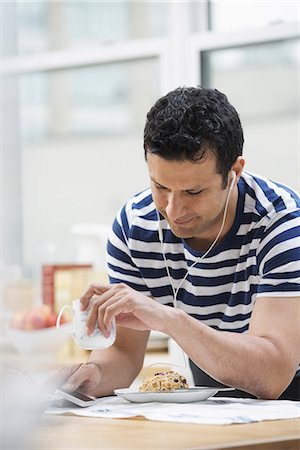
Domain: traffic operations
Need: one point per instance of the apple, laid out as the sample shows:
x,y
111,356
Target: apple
x,y
52,319
35,318
18,319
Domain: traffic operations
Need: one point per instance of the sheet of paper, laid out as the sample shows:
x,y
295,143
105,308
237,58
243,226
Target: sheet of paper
x,y
217,411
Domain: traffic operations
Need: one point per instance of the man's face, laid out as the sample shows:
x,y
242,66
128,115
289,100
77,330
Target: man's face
x,y
189,195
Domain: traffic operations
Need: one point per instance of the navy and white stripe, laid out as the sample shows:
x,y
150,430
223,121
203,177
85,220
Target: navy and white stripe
x,y
260,256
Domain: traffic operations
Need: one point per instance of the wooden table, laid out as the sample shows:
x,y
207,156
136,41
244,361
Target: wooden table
x,y
84,433
71,432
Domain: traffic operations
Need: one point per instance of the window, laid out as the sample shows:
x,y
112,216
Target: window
x,y
246,14
261,82
82,147
80,77
99,100
44,26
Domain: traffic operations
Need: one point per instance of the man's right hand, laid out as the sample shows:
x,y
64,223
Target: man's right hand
x,y
84,377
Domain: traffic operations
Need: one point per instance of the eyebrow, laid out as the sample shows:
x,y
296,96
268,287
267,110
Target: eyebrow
x,y
195,188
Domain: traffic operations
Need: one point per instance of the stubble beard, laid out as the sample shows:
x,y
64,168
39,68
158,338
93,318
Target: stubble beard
x,y
201,229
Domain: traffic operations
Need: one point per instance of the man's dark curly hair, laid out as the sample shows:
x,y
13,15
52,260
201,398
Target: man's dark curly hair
x,y
185,123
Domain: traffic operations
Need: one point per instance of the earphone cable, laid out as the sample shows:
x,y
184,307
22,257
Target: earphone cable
x,y
160,232
176,290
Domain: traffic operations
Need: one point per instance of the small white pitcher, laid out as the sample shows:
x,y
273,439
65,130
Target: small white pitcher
x,y
93,342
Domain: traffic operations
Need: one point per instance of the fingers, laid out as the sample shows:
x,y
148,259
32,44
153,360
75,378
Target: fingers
x,y
85,378
109,309
59,377
94,289
113,308
113,300
112,294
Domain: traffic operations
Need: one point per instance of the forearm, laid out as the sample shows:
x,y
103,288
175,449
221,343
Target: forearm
x,y
116,369
247,362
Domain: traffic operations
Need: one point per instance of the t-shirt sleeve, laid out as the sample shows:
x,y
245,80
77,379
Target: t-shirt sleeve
x,y
120,264
278,257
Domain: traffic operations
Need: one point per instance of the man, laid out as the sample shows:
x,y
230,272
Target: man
x,y
210,255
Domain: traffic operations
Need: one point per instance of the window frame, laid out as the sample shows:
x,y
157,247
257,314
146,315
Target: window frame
x,y
210,41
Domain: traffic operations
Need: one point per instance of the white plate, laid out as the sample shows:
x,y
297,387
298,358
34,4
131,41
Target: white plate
x,y
194,394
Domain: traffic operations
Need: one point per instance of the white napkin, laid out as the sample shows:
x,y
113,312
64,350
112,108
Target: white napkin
x,y
214,411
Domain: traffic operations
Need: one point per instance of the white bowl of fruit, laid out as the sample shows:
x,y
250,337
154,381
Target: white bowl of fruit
x,y
34,331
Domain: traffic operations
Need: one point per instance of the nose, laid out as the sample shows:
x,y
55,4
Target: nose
x,y
175,207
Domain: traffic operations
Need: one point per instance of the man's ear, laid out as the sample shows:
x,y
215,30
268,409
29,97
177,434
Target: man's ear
x,y
238,166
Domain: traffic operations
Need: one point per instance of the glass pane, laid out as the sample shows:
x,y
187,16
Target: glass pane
x,y
82,147
43,26
261,82
97,100
242,14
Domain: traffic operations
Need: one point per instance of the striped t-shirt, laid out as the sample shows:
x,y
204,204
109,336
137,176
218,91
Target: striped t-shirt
x,y
259,257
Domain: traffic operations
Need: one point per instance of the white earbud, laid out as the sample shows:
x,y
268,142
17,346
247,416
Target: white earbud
x,y
233,175
160,233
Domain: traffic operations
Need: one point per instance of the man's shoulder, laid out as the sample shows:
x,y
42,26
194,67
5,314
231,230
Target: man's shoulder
x,y
267,197
140,208
140,203
138,217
